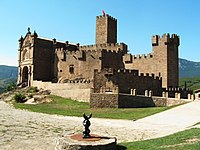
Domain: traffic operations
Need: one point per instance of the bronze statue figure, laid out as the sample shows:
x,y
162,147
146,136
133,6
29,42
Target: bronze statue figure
x,y
86,124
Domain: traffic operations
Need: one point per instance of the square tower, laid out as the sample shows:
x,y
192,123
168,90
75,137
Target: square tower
x,y
165,50
106,29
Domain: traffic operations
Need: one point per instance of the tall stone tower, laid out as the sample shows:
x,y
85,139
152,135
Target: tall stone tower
x,y
165,50
106,29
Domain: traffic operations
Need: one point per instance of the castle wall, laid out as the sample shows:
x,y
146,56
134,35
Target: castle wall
x,y
119,100
83,63
163,61
112,59
107,46
143,63
125,80
75,91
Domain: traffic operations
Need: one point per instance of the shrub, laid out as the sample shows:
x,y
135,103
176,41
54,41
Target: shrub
x,y
30,96
11,87
19,98
32,90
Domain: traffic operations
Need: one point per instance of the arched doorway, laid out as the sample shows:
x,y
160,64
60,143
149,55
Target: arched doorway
x,y
25,76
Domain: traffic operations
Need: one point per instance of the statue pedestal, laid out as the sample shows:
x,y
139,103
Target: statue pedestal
x,y
77,142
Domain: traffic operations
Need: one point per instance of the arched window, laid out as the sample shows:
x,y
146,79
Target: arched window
x,y
71,69
25,55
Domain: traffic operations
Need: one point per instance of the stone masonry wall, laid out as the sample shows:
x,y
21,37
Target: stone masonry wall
x,y
75,91
120,100
106,46
99,100
126,80
83,64
129,101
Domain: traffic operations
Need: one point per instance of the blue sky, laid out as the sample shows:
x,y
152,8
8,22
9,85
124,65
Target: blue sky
x,y
74,21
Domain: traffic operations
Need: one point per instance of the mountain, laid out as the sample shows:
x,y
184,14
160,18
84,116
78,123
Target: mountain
x,y
8,75
8,72
188,68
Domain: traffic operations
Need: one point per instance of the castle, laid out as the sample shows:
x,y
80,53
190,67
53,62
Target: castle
x,y
77,72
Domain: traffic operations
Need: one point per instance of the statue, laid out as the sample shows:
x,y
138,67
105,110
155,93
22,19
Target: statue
x,y
86,124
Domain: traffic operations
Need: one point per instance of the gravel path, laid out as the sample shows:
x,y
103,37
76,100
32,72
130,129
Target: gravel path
x,y
21,129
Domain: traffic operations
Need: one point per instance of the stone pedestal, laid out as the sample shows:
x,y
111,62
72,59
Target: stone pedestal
x,y
76,142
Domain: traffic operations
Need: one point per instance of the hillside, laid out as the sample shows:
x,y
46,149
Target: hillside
x,y
188,68
8,72
8,75
192,83
5,82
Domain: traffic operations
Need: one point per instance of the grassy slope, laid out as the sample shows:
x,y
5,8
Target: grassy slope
x,y
5,82
68,107
193,83
188,139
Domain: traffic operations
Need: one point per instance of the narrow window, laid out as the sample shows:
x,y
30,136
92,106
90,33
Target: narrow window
x,y
71,69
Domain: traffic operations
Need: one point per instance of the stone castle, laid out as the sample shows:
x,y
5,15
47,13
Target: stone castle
x,y
79,72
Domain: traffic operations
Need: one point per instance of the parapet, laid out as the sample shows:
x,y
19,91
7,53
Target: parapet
x,y
128,58
106,16
166,39
128,71
147,75
173,89
105,46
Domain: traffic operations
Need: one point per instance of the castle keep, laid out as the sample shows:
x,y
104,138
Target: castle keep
x,y
77,71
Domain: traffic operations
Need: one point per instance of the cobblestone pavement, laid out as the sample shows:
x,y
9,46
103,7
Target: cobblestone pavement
x,y
24,130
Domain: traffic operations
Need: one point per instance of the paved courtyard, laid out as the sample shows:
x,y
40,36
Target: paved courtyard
x,y
21,129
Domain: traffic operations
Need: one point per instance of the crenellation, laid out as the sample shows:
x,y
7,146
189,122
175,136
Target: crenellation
x,y
138,56
149,55
143,56
106,16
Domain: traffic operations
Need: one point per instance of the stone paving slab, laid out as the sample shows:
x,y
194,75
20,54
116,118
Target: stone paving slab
x,y
21,129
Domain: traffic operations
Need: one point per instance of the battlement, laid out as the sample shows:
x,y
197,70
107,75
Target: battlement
x,y
129,58
102,45
112,71
60,49
106,46
83,81
106,16
166,39
142,56
177,89
149,76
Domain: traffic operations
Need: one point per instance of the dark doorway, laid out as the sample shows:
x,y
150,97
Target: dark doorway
x,y
25,75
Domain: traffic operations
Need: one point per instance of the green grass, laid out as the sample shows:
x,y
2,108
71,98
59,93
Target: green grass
x,y
185,140
193,83
67,107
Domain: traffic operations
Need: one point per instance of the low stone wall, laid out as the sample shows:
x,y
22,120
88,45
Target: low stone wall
x,y
104,100
75,91
130,101
101,100
172,101
159,101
